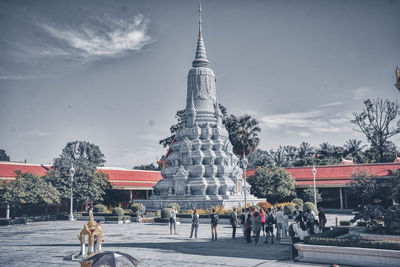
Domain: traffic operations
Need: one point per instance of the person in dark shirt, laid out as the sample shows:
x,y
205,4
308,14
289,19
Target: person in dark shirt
x,y
322,218
214,224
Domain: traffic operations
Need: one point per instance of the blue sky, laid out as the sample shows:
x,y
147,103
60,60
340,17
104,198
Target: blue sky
x,y
114,72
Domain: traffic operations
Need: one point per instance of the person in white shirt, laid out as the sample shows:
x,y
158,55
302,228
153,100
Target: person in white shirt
x,y
172,220
300,232
285,225
279,223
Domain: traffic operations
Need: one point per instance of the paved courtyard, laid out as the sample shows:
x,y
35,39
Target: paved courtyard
x,y
47,243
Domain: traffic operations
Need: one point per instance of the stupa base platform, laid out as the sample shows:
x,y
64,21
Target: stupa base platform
x,y
199,202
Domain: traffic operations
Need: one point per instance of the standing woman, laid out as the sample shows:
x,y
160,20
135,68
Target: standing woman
x,y
262,214
195,224
214,224
257,228
172,220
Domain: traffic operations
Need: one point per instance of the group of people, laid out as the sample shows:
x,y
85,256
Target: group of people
x,y
271,223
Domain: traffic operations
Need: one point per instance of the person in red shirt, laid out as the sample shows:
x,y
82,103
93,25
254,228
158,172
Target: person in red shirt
x,y
262,214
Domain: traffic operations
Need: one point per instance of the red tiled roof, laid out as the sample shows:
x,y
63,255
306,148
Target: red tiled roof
x,y
119,178
335,175
7,169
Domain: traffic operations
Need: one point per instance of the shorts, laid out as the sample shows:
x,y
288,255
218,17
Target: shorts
x,y
279,226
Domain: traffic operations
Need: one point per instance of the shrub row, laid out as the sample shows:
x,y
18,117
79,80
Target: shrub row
x,y
333,233
392,245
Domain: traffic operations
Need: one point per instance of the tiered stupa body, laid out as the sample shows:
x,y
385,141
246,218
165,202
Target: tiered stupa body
x,y
201,170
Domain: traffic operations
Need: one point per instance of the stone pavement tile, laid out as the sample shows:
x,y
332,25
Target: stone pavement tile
x,y
47,243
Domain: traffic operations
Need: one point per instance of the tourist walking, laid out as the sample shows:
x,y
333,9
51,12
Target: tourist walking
x,y
262,214
234,222
297,212
257,227
142,212
248,228
243,221
172,220
269,225
195,224
214,224
322,218
309,219
279,223
285,225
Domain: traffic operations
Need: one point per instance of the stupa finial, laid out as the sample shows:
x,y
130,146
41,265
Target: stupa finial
x,y
201,56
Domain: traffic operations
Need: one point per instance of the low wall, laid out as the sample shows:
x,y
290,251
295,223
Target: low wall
x,y
347,255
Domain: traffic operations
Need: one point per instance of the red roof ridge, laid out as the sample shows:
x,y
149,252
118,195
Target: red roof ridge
x,y
122,169
23,164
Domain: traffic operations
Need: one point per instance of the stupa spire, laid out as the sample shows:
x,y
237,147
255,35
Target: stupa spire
x,y
201,56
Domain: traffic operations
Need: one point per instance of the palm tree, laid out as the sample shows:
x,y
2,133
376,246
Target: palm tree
x,y
354,148
243,134
325,149
305,154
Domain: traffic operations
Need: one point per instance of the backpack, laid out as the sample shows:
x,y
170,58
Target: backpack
x,y
195,219
242,218
270,219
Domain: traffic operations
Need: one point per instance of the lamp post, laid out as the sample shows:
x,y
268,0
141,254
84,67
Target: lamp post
x,y
245,163
314,172
71,210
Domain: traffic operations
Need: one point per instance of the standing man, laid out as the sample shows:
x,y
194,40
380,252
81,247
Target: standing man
x,y
269,225
322,218
172,220
234,222
195,224
214,224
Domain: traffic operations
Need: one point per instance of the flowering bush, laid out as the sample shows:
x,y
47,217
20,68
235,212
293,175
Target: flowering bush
x,y
264,205
282,205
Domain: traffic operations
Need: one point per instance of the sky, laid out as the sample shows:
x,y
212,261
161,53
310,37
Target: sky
x,y
114,72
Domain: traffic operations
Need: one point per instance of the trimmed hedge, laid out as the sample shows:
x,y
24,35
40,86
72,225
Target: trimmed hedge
x,y
333,233
377,244
289,209
311,206
165,213
298,201
118,211
361,223
135,208
344,223
99,208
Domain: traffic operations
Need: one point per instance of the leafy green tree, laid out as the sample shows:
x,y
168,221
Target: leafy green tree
x,y
259,158
305,155
395,186
88,183
389,153
378,122
307,195
274,183
354,149
28,189
147,167
363,185
4,156
243,134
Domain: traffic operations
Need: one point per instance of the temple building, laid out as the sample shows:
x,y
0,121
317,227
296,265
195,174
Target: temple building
x,y
201,169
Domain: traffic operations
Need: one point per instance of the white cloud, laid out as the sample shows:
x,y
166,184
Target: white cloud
x,y
35,133
108,37
307,123
332,104
362,93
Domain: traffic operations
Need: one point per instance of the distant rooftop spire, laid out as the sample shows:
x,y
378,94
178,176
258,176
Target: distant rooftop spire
x,y
201,56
